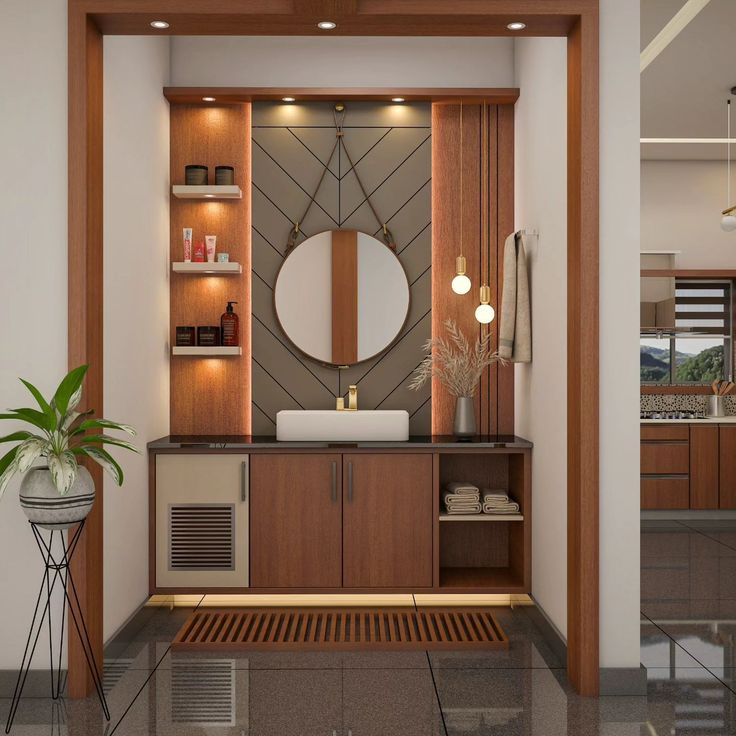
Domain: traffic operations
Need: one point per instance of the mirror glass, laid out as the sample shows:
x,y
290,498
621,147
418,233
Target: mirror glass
x,y
341,297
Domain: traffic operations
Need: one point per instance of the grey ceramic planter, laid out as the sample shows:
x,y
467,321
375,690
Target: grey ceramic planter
x,y
44,506
464,417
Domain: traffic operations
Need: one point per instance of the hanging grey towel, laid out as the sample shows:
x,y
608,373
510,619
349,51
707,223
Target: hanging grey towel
x,y
514,337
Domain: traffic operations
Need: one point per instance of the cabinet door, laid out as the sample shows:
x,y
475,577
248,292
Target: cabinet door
x,y
201,521
727,467
703,467
296,521
387,521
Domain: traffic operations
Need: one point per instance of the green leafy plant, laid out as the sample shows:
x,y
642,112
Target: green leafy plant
x,y
65,435
455,362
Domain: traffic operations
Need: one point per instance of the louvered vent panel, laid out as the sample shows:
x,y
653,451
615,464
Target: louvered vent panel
x,y
201,537
203,693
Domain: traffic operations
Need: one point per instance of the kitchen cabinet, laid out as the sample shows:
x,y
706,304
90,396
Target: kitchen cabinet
x,y
727,467
201,520
296,521
703,466
387,521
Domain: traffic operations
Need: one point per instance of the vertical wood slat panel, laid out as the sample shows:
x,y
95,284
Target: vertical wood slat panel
x,y
211,396
487,218
85,312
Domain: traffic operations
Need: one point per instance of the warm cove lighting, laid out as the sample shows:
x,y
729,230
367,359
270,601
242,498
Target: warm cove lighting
x,y
326,25
516,26
397,99
159,24
722,141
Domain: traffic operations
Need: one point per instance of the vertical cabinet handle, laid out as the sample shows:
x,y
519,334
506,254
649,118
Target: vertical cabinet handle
x,y
334,482
350,482
244,481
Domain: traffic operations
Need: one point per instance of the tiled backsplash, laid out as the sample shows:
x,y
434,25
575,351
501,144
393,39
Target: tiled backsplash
x,y
682,402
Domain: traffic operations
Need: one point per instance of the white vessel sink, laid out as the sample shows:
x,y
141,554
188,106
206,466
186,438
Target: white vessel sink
x,y
339,426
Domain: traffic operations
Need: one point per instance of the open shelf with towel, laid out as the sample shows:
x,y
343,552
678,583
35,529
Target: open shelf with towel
x,y
493,557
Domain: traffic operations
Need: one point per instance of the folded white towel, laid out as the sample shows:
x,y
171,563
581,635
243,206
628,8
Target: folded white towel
x,y
462,504
463,511
492,495
463,489
498,502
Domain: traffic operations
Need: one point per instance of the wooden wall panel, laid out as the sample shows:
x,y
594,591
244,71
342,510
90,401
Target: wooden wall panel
x,y
85,312
211,395
487,218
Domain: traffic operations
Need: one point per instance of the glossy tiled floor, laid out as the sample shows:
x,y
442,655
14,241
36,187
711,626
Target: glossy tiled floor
x,y
688,593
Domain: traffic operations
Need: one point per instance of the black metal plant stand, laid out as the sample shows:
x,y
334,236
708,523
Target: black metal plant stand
x,y
56,570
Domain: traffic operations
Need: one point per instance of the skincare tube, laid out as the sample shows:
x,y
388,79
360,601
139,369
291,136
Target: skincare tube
x,y
187,245
210,241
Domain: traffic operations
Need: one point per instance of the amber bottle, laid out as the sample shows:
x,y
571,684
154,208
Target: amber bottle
x,y
230,327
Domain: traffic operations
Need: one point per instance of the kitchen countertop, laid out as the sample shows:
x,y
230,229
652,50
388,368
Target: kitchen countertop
x,y
253,442
714,420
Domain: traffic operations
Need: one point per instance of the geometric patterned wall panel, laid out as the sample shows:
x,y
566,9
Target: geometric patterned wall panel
x,y
391,147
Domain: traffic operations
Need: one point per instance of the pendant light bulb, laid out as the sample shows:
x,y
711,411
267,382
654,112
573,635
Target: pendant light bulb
x,y
461,283
485,313
728,224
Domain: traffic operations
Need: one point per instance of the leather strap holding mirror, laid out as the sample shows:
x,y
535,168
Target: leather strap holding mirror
x,y
338,115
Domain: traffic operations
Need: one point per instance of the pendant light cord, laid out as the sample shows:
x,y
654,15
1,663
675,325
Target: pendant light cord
x,y
461,177
728,153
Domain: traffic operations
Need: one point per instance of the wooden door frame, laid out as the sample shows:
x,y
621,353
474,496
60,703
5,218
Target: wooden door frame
x,y
577,20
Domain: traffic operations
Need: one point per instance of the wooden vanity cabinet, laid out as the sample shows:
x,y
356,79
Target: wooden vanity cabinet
x,y
703,466
296,521
387,521
727,467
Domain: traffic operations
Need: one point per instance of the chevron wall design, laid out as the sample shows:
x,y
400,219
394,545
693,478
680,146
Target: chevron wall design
x,y
390,146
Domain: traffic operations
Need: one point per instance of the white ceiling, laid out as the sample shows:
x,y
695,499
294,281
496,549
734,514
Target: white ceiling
x,y
684,90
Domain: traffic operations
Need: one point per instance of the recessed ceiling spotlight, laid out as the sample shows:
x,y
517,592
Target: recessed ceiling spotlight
x,y
327,25
208,99
209,196
397,99
516,26
160,24
288,99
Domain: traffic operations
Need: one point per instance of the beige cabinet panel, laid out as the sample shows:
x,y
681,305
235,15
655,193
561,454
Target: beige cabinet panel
x,y
202,520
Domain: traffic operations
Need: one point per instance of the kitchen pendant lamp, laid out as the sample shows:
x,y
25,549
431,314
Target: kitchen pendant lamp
x,y
728,219
485,313
461,283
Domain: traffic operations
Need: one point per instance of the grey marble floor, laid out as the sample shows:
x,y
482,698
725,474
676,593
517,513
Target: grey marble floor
x,y
687,625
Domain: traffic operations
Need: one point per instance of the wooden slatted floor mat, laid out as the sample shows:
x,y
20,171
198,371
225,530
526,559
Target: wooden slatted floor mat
x,y
309,629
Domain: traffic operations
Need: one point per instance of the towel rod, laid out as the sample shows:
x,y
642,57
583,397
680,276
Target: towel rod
x,y
533,232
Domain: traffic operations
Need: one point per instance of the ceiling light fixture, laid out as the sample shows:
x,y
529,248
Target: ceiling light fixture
x,y
209,196
517,25
288,99
398,99
159,24
327,25
208,99
728,220
461,283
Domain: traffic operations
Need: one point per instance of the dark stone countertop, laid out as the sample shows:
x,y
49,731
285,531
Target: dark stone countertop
x,y
254,442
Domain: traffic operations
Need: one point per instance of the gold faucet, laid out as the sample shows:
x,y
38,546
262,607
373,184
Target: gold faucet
x,y
352,398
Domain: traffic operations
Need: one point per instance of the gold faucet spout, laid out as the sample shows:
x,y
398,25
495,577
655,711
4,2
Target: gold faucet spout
x,y
353,398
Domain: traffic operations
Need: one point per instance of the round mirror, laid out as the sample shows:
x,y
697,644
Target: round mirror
x,y
341,297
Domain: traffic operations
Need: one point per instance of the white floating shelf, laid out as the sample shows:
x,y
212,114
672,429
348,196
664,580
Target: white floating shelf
x,y
207,191
204,352
481,517
229,267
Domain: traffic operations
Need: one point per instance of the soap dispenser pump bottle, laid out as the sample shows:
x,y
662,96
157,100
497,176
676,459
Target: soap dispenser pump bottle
x,y
230,327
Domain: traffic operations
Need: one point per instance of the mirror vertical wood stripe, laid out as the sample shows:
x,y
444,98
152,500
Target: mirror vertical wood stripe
x,y
344,297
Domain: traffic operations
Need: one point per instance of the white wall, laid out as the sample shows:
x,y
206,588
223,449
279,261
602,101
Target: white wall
x,y
619,333
681,203
33,331
136,309
541,386
321,61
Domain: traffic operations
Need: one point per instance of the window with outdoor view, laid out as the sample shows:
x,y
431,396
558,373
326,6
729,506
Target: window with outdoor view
x,y
693,343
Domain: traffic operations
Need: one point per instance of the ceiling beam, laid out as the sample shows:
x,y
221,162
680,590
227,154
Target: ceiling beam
x,y
671,31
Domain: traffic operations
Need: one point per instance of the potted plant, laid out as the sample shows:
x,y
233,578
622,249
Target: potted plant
x,y
56,492
459,367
